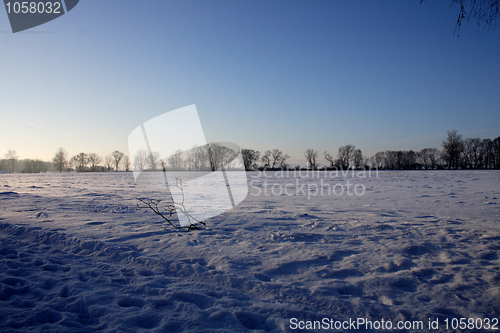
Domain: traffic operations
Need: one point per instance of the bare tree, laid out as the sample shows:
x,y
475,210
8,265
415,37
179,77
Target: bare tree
x,y
423,159
452,149
311,156
391,160
72,164
330,159
41,166
489,154
250,158
408,160
496,152
175,160
153,161
34,166
140,160
126,163
266,158
276,156
117,155
11,158
396,160
428,158
473,152
198,158
109,161
60,159
380,160
94,161
357,160
345,155
29,166
433,155
81,161
220,156
282,161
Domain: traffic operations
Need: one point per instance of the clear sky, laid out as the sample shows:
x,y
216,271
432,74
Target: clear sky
x,y
264,74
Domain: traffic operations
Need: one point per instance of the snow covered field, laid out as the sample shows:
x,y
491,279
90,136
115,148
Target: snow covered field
x,y
76,256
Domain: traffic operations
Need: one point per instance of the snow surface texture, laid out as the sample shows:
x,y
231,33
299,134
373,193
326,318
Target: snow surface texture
x,y
75,255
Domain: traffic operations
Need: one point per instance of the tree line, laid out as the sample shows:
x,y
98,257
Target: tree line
x,y
82,162
457,153
90,162
210,157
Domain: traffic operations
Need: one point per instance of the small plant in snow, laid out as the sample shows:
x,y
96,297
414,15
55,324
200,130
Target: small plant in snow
x,y
170,209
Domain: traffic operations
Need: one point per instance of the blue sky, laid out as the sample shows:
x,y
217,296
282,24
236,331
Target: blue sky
x,y
292,75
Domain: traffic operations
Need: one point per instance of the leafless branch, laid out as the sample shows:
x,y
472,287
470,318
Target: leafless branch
x,y
170,209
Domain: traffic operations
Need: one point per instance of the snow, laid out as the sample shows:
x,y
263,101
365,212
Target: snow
x,y
76,256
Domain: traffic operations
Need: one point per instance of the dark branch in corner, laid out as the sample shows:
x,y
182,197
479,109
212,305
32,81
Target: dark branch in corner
x,y
484,11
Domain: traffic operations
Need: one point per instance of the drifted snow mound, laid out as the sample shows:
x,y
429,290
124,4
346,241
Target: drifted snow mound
x,y
51,282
